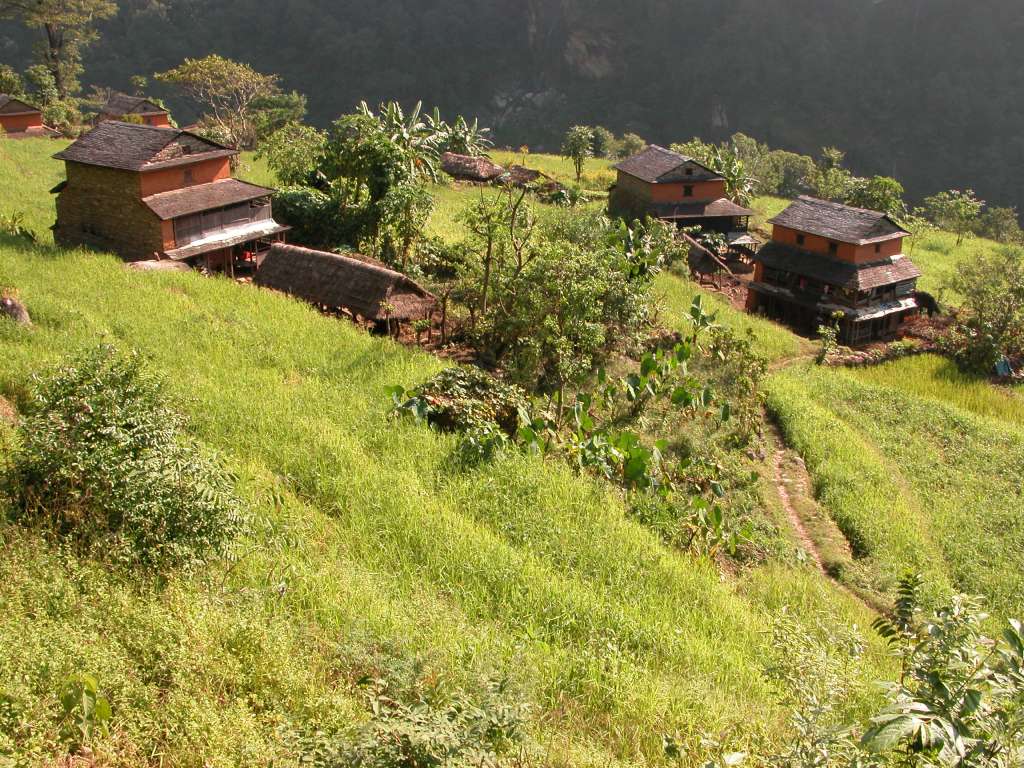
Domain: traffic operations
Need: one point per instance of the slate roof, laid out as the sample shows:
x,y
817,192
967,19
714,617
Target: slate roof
x,y
340,281
700,210
836,221
862,277
131,147
123,104
10,105
657,165
203,197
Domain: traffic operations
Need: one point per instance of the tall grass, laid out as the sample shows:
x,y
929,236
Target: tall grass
x,y
370,541
914,482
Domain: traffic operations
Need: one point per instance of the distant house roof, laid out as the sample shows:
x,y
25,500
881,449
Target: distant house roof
x,y
203,197
836,221
657,165
131,147
843,274
10,105
340,281
123,104
700,210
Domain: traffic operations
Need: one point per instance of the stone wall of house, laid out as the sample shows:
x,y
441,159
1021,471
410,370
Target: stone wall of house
x,y
101,207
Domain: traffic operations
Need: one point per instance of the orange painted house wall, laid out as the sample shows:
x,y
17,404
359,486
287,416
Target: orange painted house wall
x,y
673,193
203,172
19,123
847,251
161,120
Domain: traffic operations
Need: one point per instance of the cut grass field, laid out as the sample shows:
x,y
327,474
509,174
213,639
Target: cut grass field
x,y
367,546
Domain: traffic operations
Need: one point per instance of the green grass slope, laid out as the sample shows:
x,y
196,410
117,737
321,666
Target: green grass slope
x,y
367,547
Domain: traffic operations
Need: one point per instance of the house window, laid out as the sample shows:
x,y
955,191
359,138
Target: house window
x,y
188,177
687,191
833,249
689,171
878,247
800,239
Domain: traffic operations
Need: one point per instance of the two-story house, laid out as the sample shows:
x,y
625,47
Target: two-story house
x,y
161,193
827,257
19,119
133,109
669,186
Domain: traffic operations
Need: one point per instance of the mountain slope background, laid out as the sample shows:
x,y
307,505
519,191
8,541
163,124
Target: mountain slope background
x,y
925,90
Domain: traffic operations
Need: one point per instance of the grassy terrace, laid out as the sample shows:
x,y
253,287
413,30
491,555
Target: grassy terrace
x,y
366,548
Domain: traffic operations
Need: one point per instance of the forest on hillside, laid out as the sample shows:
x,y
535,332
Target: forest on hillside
x,y
923,90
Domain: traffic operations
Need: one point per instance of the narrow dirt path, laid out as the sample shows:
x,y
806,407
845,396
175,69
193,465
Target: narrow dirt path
x,y
803,537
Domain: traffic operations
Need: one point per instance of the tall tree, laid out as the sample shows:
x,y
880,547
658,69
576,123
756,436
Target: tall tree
x,y
229,91
578,145
68,26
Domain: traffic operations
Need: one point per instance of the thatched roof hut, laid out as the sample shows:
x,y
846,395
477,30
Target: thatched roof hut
x,y
341,282
467,168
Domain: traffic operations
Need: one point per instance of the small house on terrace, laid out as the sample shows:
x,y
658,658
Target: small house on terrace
x,y
826,257
133,109
19,119
147,193
333,282
666,185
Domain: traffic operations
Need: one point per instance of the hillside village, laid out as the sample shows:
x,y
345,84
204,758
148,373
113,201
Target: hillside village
x,y
379,446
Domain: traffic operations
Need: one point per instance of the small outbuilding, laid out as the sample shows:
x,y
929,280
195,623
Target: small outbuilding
x,y
121,106
19,119
334,282
480,170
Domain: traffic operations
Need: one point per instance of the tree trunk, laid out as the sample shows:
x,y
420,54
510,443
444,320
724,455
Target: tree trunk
x,y
54,51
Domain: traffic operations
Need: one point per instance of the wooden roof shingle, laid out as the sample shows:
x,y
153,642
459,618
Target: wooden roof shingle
x,y
123,104
842,274
11,105
836,221
332,280
203,197
657,165
132,147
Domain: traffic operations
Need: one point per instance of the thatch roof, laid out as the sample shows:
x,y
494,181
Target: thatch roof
x,y
203,197
657,165
843,274
836,221
131,147
331,280
123,104
467,168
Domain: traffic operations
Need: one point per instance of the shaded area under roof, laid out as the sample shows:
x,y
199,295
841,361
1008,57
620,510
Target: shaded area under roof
x,y
836,221
132,147
228,238
203,197
331,280
657,165
842,274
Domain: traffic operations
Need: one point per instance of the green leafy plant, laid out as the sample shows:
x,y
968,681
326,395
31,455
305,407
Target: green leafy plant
x,y
105,464
86,710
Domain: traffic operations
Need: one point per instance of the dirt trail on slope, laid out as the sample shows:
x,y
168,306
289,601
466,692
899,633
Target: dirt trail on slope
x,y
803,537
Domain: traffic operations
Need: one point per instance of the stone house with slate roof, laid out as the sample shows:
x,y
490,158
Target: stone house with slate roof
x,y
136,108
153,193
19,119
668,186
827,257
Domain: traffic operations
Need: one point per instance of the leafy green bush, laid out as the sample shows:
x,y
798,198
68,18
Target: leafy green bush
x,y
103,463
464,400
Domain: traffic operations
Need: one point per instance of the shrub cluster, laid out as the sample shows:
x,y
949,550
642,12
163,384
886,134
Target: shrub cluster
x,y
103,464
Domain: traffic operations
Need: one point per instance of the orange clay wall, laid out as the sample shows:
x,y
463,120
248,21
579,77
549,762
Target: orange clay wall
x,y
157,120
19,123
847,252
203,172
702,190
